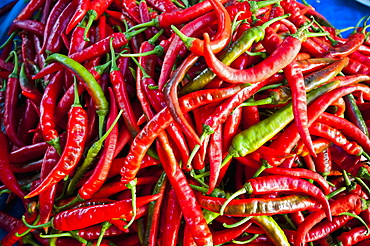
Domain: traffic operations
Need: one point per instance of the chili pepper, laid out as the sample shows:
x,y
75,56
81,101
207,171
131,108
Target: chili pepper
x,y
243,144
96,180
81,10
323,130
11,95
72,153
47,109
78,218
30,8
120,90
260,206
92,153
353,236
33,26
289,137
266,184
131,9
288,49
354,114
6,175
151,130
351,45
313,64
272,229
152,227
94,50
7,221
172,220
7,66
20,229
77,42
221,38
190,208
355,67
347,128
91,85
346,203
96,9
28,153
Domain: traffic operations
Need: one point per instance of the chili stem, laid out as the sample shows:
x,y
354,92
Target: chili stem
x,y
240,222
132,186
246,241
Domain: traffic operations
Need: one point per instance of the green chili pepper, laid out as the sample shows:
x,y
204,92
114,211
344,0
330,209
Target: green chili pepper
x,y
255,136
92,86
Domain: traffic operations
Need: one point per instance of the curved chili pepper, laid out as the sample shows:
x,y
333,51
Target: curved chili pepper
x,y
170,92
161,120
353,236
354,114
335,136
11,95
220,39
351,45
278,60
91,85
347,128
260,206
72,153
172,220
82,9
28,89
351,202
33,26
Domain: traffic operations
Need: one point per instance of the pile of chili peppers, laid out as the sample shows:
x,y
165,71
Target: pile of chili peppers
x,y
161,122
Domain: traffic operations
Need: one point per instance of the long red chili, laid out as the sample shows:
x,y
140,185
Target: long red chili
x,y
72,153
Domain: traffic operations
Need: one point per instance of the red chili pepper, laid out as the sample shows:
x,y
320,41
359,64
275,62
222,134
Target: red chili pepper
x,y
6,175
99,175
278,60
335,136
30,8
190,208
172,220
220,39
72,153
33,26
347,128
82,9
353,236
47,109
10,104
7,221
349,203
353,42
161,120
97,49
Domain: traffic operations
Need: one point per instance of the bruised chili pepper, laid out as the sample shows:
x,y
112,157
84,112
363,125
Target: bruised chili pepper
x,y
91,85
161,120
78,218
260,206
266,184
72,153
221,38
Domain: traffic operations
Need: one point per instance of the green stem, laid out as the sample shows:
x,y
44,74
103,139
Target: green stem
x,y
336,192
104,228
359,218
10,39
246,241
240,222
132,186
